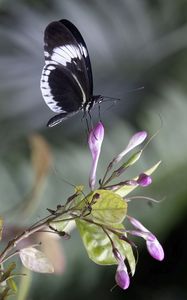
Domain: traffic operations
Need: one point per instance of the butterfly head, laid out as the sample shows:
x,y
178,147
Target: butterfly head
x,y
93,100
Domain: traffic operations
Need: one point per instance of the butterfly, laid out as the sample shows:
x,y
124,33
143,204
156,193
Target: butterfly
x,y
66,81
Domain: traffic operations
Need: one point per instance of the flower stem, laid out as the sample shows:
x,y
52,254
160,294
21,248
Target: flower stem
x,y
38,226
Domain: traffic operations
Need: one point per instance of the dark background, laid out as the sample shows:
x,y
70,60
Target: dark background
x,y
132,43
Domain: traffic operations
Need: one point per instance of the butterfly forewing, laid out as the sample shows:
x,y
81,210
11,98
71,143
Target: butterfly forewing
x,y
66,81
83,49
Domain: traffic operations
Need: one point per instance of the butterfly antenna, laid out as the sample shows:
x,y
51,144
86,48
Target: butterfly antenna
x,y
107,98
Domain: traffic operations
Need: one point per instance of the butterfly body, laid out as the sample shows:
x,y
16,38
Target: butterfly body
x,y
66,80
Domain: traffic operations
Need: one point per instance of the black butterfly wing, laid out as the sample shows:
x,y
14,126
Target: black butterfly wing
x,y
84,51
59,118
65,83
60,90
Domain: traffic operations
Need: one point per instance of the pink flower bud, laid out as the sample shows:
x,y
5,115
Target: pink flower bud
x,y
95,141
144,180
153,246
122,276
155,249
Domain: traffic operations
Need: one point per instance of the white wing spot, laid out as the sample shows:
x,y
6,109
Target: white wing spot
x,y
46,54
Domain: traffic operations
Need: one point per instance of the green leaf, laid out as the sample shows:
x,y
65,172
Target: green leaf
x,y
109,208
125,190
98,245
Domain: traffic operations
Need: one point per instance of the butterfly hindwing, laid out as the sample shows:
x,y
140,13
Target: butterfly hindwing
x,y
60,90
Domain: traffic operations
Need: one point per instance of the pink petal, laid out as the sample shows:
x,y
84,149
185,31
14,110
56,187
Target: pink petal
x,y
137,224
153,246
136,140
155,249
95,141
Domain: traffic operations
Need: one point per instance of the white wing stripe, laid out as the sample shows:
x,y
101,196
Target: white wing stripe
x,y
57,57
46,90
65,54
83,94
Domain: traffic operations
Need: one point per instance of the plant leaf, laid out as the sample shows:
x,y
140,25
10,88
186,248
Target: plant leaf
x,y
98,245
35,260
109,208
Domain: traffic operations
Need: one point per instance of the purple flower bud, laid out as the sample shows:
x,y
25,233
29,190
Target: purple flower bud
x,y
95,141
144,180
153,246
155,249
122,276
136,140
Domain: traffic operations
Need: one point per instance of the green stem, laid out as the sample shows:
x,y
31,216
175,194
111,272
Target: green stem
x,y
25,234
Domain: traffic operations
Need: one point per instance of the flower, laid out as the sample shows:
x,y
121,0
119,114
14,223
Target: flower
x,y
95,141
144,180
122,276
153,246
136,140
108,209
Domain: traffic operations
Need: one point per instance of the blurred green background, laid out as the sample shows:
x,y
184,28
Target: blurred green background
x,y
132,43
